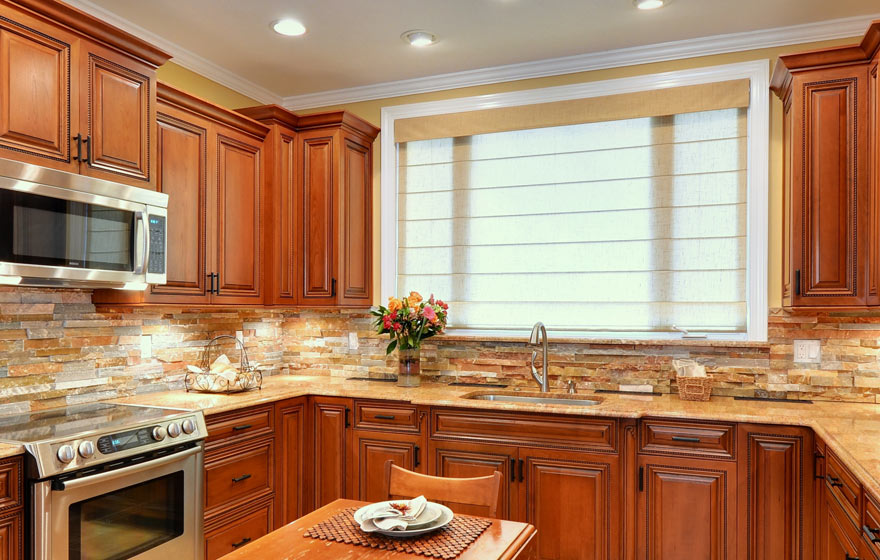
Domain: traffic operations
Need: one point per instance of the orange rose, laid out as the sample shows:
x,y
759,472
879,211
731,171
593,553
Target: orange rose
x,y
414,299
394,305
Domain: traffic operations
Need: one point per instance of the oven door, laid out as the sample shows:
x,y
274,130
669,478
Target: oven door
x,y
146,511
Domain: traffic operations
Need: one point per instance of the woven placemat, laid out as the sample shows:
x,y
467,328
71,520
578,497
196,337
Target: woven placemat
x,y
448,542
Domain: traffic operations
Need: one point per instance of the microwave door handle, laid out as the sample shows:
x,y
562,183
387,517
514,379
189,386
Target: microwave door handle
x,y
124,471
141,242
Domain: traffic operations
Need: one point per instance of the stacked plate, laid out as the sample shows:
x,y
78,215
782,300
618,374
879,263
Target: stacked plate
x,y
433,516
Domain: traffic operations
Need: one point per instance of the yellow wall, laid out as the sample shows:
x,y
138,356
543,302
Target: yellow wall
x,y
371,110
190,82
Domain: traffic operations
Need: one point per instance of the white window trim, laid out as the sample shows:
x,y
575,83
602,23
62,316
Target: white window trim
x,y
758,72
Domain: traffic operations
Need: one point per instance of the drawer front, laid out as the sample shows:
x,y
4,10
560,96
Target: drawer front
x,y
10,483
558,431
238,472
239,424
386,416
871,524
241,531
11,537
702,439
843,485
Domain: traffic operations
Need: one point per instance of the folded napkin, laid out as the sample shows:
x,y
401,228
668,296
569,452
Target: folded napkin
x,y
393,516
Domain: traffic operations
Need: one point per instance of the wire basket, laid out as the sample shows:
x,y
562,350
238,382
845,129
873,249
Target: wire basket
x,y
246,378
694,388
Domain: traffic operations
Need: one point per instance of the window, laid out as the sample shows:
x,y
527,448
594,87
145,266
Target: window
x,y
630,227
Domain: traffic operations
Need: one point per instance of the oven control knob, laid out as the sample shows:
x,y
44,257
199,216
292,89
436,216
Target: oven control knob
x,y
159,433
174,429
66,454
188,426
86,449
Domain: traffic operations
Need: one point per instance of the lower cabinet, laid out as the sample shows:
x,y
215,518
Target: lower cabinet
x,y
372,451
234,532
330,435
11,509
11,537
839,537
291,417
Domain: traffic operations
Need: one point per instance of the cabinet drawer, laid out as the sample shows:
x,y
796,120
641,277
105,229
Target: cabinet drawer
x,y
10,483
238,532
556,431
11,537
843,485
239,424
871,524
396,417
704,439
234,473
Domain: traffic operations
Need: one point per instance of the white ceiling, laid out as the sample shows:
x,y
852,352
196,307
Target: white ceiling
x,y
352,43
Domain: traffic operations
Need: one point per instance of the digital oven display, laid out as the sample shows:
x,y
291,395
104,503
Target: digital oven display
x,y
125,440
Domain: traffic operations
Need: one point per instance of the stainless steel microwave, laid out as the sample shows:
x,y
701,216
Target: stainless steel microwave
x,y
68,230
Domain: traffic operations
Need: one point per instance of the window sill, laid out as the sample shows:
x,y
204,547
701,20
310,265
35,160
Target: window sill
x,y
727,341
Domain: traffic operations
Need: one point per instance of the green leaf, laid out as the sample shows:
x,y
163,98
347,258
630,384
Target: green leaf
x,y
391,347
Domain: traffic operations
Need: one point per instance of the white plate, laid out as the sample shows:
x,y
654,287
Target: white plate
x,y
443,516
429,514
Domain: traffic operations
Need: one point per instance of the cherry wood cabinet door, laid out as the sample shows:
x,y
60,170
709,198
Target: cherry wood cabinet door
x,y
292,424
687,509
775,492
874,188
330,435
11,543
573,500
840,538
356,222
37,91
239,184
371,451
829,186
281,231
468,460
317,225
118,117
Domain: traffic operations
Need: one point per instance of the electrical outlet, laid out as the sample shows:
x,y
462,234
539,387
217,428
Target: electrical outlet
x,y
239,335
807,351
146,347
353,343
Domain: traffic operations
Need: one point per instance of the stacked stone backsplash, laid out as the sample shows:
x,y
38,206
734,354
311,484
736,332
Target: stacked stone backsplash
x,y
56,348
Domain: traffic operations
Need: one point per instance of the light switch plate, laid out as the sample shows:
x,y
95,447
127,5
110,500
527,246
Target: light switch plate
x,y
807,351
353,343
146,347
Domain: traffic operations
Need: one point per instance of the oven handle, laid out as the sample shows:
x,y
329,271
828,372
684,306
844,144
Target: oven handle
x,y
110,475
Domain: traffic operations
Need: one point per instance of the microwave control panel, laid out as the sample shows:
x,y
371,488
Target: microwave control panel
x,y
157,245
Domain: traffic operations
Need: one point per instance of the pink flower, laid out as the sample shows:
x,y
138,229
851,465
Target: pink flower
x,y
396,327
386,321
429,314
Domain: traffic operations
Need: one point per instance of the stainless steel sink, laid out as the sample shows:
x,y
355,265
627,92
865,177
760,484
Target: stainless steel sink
x,y
567,400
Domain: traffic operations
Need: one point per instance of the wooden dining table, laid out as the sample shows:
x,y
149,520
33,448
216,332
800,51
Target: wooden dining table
x,y
503,540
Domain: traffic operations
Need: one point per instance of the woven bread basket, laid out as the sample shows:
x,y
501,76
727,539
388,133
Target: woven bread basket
x,y
694,388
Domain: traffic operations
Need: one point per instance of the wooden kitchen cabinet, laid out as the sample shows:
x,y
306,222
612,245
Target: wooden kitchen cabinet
x,y
371,451
839,537
331,438
291,419
11,509
77,94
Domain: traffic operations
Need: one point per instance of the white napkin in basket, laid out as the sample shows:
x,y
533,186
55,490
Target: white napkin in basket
x,y
388,518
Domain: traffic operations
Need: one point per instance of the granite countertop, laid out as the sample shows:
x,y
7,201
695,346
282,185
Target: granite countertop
x,y
851,430
10,450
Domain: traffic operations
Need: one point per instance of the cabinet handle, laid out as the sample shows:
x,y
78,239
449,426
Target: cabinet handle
x,y
416,460
347,423
79,147
88,142
239,428
211,283
686,439
217,283
513,470
641,479
817,466
242,542
871,534
333,287
522,470
848,557
833,481
241,478
385,416
797,282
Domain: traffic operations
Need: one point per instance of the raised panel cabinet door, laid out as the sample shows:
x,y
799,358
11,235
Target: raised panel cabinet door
x,y
239,190
290,460
775,485
11,544
829,190
118,117
183,175
331,420
283,227
316,225
572,499
37,91
372,450
874,188
356,238
840,539
687,509
469,460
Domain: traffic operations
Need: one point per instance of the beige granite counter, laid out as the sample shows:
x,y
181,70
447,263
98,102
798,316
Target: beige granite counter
x,y
10,450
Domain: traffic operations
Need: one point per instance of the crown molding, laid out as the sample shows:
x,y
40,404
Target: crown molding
x,y
182,56
660,52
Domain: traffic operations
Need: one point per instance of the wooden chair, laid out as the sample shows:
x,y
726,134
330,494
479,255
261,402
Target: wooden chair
x,y
476,496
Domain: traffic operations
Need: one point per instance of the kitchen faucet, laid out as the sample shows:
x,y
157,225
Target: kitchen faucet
x,y
544,380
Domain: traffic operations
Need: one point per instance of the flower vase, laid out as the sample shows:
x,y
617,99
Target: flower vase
x,y
409,367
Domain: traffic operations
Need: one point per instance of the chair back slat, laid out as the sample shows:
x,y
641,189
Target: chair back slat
x,y
471,493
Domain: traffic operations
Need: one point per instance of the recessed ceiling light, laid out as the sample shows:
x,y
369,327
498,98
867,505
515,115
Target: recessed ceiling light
x,y
649,4
419,38
288,26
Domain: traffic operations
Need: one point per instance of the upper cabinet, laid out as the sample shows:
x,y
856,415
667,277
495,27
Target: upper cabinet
x,y
320,234
77,94
831,224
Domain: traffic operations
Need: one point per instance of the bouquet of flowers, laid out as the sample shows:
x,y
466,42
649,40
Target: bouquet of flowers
x,y
410,320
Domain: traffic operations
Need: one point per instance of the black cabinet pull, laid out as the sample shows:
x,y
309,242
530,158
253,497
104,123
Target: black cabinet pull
x,y
241,478
833,481
522,470
242,542
641,479
333,287
848,557
818,465
211,283
686,439
871,534
416,460
88,142
385,416
513,470
347,411
217,283
797,282
239,428
79,147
